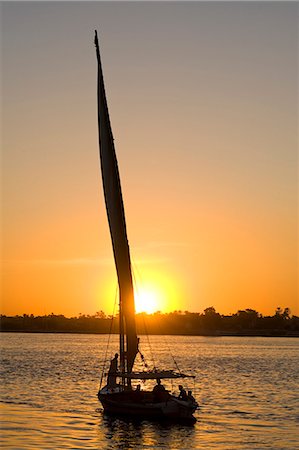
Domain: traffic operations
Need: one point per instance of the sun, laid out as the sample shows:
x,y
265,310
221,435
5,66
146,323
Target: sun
x,y
153,291
147,300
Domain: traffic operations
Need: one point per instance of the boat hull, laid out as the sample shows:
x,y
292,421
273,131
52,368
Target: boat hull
x,y
142,405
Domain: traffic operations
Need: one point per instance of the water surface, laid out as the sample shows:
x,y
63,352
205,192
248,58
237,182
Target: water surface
x,y
246,386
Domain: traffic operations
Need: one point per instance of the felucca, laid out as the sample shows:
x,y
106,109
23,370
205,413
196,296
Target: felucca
x,y
118,396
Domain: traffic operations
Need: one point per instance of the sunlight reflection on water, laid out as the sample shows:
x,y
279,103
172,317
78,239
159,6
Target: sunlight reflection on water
x,y
246,388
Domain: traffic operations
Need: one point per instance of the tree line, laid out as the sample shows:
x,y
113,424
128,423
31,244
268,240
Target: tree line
x,y
209,323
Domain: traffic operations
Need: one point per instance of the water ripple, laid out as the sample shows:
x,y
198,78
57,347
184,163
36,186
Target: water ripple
x,y
246,388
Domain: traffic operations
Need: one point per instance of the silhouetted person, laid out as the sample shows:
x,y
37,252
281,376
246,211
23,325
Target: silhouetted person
x,y
159,391
138,394
190,397
182,394
112,371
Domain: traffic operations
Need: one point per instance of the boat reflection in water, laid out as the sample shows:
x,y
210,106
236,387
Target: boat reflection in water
x,y
118,396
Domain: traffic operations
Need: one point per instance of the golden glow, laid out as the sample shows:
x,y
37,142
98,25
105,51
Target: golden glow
x,y
148,300
155,291
210,198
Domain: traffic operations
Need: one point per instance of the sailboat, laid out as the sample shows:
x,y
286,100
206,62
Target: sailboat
x,y
118,397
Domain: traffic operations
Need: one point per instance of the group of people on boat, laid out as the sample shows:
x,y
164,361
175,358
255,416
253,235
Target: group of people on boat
x,y
160,394
184,396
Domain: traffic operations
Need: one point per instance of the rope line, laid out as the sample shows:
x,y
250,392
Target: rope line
x,y
134,271
173,358
109,336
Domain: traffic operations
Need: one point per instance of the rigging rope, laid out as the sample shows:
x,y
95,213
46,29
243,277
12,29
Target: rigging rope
x,y
149,343
135,270
109,336
168,348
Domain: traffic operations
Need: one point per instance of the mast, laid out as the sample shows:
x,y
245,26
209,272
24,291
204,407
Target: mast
x,y
117,226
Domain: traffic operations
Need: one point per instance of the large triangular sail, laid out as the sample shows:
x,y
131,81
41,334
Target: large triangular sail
x,y
117,223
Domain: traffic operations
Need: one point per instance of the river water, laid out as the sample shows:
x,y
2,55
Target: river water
x,y
247,389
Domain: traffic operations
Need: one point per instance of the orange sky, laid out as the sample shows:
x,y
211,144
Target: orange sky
x,y
203,105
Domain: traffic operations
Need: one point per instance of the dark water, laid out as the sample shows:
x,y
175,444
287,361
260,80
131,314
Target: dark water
x,y
247,389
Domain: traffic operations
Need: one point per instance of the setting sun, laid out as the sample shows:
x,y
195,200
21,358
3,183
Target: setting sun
x,y
153,290
147,300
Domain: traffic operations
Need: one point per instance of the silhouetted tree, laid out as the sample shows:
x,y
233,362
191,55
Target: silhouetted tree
x,y
246,321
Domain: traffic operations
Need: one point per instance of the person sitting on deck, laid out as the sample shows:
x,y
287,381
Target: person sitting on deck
x,y
190,397
182,394
138,394
159,392
111,381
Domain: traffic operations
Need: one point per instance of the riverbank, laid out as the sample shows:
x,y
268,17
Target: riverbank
x,y
248,333
209,323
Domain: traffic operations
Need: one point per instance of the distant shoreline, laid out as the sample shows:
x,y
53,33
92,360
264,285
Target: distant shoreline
x,y
245,323
243,334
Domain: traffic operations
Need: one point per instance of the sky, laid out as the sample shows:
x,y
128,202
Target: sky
x,y
203,101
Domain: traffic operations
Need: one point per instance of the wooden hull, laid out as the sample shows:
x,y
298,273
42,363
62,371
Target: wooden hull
x,y
144,406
